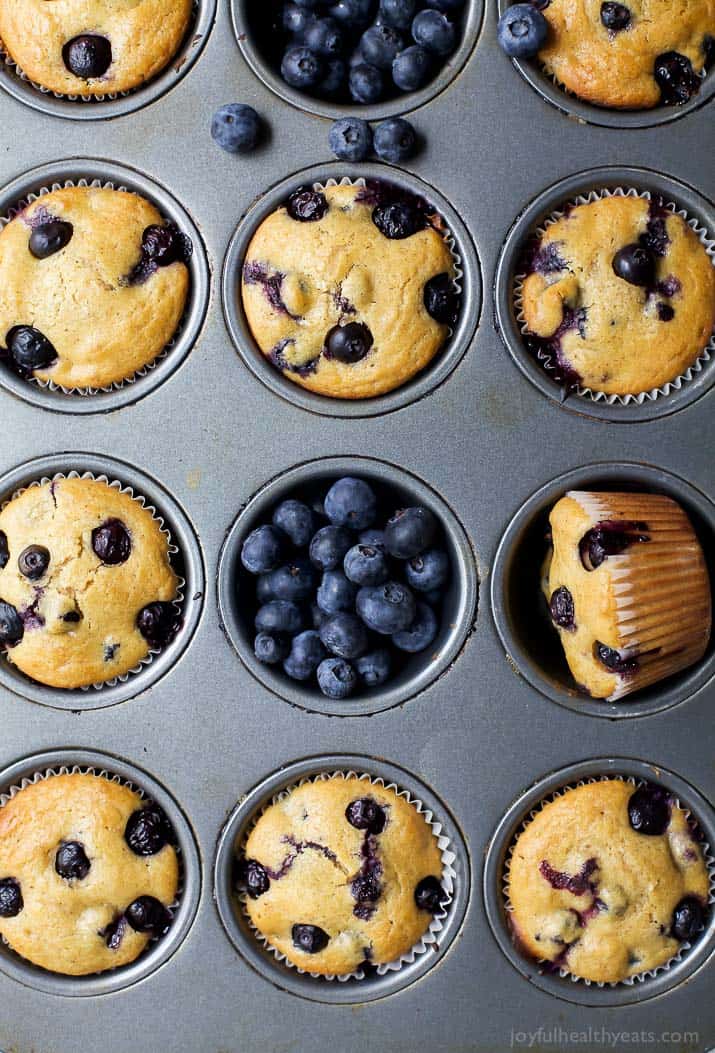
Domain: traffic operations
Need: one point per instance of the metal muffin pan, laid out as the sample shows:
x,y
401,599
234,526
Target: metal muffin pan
x,y
479,437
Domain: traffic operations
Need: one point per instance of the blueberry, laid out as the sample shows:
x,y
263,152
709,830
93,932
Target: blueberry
x,y
614,660
294,19
306,654
409,532
11,902
306,205
351,502
296,520
561,607
386,609
398,13
522,31
329,545
351,139
397,219
111,542
366,887
374,538
635,265
159,622
253,878
264,592
309,938
451,7
308,5
270,648
344,635
434,31
148,830
33,562
615,16
336,678
441,299
380,45
236,128
279,616
302,68
395,140
665,312
366,565
4,550
374,668
323,36
429,570
262,550
348,343
87,56
48,238
353,13
688,918
333,83
164,244
317,616
29,349
294,581
114,933
71,861
420,634
676,78
429,894
412,68
364,813
649,810
336,593
11,628
148,915
366,83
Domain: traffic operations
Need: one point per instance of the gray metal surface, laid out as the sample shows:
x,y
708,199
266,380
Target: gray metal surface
x,y
486,439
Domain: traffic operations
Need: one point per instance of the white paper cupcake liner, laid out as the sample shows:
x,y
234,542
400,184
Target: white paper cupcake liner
x,y
173,549
143,371
637,978
545,360
447,878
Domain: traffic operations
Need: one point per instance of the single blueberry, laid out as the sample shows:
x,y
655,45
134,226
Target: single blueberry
x,y
615,17
398,219
306,654
351,502
114,933
374,668
159,622
336,593
148,830
441,299
665,312
434,31
336,678
307,205
366,887
348,343
236,128
11,902
386,609
33,562
111,542
262,550
164,244
395,140
48,238
366,83
364,813
561,607
87,56
420,633
11,628
522,31
71,861
264,592
412,68
635,265
649,810
309,938
294,19
279,616
614,659
380,45
294,581
352,13
29,349
398,13
329,545
676,78
271,648
688,918
147,914
344,635
351,139
429,894
366,565
324,37
410,531
429,570
252,876
4,550
372,537
302,68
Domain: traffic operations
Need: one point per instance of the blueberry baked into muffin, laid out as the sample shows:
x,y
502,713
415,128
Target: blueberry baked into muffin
x,y
341,872
607,881
93,47
619,296
628,590
88,872
350,290
86,583
93,285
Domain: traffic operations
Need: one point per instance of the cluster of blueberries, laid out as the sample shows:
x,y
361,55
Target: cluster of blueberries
x,y
369,594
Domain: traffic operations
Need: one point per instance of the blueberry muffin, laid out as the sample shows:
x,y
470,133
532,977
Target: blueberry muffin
x,y
629,56
607,881
341,872
350,290
86,586
87,873
93,285
619,296
96,47
628,590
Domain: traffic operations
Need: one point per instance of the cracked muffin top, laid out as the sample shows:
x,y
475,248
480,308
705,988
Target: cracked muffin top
x,y
607,881
341,872
85,583
93,285
350,290
93,47
619,296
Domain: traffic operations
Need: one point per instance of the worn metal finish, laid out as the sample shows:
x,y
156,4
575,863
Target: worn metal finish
x,y
484,439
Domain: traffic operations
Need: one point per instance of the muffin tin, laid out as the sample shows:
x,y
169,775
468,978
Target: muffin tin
x,y
211,443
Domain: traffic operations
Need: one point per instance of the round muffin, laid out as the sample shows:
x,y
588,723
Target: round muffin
x,y
340,872
87,872
93,285
607,881
96,47
85,583
350,290
629,56
619,295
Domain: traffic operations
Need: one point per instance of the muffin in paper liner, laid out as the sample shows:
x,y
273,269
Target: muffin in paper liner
x,y
173,550
546,361
548,965
145,370
103,773
447,878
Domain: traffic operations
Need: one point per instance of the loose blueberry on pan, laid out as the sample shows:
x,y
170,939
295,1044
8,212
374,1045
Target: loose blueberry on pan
x,y
371,595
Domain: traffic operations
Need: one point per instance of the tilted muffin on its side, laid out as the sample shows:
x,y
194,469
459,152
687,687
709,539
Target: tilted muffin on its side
x,y
628,590
86,583
607,881
97,47
87,873
350,290
632,55
619,295
93,285
341,871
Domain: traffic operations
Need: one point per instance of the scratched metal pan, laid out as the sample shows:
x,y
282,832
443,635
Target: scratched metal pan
x,y
212,435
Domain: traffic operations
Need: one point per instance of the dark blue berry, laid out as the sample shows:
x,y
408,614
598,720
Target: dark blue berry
x,y
344,635
409,532
395,140
11,627
4,550
253,878
353,13
294,581
296,520
635,265
374,538
114,933
615,17
48,238
676,78
279,616
688,918
615,660
398,219
398,13
366,565
374,668
649,810
388,608
434,31
429,570
420,633
348,343
429,895
236,128
336,678
561,607
264,592
147,830
71,861
317,616
148,915
11,902
351,502
262,550
33,562
336,593
162,245
323,36
412,68
441,299
351,139
159,622
306,205
111,542
29,349
302,68
306,654
522,31
271,648
294,19
451,7
366,83
380,45
87,56
329,545
364,813
309,938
